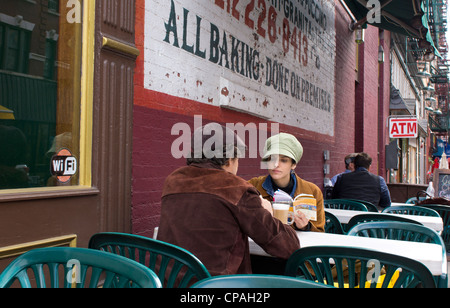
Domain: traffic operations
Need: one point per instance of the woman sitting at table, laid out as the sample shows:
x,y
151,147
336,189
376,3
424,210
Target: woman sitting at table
x,y
282,152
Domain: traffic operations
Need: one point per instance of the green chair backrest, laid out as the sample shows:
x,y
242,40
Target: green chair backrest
x,y
175,266
396,230
411,210
403,231
413,200
360,218
332,224
348,267
257,281
67,267
444,212
369,205
343,204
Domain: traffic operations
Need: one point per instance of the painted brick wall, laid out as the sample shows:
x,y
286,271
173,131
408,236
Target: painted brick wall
x,y
256,57
344,95
371,94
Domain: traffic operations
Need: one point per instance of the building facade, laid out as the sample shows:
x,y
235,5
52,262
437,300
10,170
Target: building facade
x,y
258,64
98,97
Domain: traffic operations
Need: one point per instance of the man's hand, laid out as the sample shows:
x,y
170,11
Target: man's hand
x,y
267,205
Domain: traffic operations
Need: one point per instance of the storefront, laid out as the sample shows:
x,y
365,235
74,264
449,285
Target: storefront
x,y
408,101
66,84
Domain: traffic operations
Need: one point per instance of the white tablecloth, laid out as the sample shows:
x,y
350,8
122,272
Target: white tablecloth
x,y
431,222
429,254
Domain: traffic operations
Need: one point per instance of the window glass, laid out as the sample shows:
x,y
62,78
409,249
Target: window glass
x,y
40,77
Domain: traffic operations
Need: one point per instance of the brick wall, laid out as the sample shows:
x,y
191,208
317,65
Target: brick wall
x,y
372,100
384,97
344,97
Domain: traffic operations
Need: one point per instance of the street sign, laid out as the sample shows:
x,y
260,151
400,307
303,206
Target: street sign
x,y
403,127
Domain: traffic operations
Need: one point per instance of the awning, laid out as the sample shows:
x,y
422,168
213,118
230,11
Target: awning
x,y
400,104
441,146
6,114
406,17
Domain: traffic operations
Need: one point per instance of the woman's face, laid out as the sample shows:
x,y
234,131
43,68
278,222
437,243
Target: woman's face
x,y
280,167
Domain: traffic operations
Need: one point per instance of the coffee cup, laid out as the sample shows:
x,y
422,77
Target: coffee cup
x,y
281,211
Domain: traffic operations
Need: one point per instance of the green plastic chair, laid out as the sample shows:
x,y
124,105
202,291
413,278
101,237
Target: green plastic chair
x,y
413,200
348,267
175,266
360,218
411,210
444,212
403,231
257,281
343,204
332,224
67,267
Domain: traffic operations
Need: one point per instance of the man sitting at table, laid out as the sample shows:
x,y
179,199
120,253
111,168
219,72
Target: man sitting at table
x,y
349,161
210,211
362,185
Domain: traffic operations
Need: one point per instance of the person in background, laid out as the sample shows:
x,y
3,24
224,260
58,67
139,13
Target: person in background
x,y
435,164
362,185
282,153
210,211
349,166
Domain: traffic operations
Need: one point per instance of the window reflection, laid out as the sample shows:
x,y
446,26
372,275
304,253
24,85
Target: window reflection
x,y
40,60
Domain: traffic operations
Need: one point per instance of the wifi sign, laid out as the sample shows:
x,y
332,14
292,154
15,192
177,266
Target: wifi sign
x,y
63,165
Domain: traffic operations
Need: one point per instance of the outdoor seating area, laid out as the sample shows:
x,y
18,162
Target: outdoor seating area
x,y
379,250
418,233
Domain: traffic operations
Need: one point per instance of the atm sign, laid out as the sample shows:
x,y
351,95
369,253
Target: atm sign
x,y
403,128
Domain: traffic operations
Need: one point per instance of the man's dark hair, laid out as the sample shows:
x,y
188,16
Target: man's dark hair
x,y
363,160
219,161
216,144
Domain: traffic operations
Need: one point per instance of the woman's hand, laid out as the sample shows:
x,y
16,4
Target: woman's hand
x,y
300,220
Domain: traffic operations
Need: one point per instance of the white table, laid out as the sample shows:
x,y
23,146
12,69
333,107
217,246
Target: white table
x,y
429,254
431,222
401,204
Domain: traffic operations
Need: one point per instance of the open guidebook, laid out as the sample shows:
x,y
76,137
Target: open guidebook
x,y
303,202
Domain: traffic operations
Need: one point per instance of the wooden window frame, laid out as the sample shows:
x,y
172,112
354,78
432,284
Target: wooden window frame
x,y
86,123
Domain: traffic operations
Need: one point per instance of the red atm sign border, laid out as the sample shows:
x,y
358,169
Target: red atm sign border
x,y
403,128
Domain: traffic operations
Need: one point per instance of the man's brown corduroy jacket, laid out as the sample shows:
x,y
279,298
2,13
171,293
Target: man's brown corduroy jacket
x,y
210,212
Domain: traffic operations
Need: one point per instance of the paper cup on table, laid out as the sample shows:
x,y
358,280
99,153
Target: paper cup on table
x,y
281,212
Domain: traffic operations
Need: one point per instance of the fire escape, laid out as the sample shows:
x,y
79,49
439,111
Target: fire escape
x,y
437,103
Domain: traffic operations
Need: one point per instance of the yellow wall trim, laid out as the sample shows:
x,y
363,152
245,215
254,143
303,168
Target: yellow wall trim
x,y
119,46
15,250
87,93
